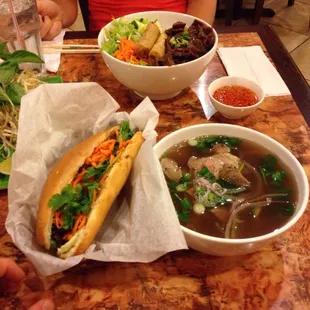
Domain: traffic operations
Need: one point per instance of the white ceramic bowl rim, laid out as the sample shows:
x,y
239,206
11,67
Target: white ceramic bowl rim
x,y
231,77
270,235
101,35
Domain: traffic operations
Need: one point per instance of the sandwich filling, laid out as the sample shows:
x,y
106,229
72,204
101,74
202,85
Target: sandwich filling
x,y
72,206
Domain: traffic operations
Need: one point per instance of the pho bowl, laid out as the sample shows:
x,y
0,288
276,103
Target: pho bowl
x,y
234,112
158,82
223,246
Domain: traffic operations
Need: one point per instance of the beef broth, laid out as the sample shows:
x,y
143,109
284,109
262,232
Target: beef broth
x,y
254,220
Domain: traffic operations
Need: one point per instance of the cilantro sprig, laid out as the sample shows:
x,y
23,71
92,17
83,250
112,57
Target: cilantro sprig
x,y
206,144
270,172
97,171
125,132
207,174
71,202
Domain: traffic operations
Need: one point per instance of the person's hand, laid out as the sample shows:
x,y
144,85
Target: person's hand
x,y
50,14
11,277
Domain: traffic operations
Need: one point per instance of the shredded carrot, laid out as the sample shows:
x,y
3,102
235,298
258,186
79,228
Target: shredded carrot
x,y
126,52
103,179
101,152
78,178
58,219
120,143
68,236
111,158
79,223
122,146
126,49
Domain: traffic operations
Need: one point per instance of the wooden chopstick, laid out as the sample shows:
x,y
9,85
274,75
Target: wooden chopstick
x,y
70,46
70,51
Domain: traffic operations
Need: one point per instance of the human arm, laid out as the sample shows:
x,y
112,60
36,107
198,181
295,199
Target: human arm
x,y
55,15
204,9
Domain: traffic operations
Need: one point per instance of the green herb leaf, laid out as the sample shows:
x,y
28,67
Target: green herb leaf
x,y
98,171
185,178
206,144
269,162
200,191
4,181
67,195
125,132
15,91
110,46
278,177
202,146
52,79
205,173
186,206
7,71
212,200
270,172
68,218
172,185
24,56
2,47
288,210
4,97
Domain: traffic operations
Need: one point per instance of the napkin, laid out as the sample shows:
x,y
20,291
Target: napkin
x,y
52,61
141,226
251,62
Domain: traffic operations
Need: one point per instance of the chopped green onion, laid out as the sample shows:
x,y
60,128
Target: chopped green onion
x,y
186,177
193,142
199,208
181,188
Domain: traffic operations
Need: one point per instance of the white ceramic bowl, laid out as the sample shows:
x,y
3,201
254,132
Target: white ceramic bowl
x,y
230,111
230,247
158,83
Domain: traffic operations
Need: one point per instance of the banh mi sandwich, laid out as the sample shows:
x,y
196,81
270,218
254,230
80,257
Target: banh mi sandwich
x,y
82,187
147,41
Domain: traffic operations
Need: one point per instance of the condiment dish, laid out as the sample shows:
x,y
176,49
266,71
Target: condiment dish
x,y
226,246
158,83
233,112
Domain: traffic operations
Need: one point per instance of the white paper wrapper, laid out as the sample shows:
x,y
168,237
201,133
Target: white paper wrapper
x,y
140,227
52,61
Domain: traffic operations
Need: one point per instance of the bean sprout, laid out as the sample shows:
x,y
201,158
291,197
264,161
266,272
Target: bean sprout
x,y
9,113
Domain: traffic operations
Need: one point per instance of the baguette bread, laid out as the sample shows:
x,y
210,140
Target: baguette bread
x,y
63,174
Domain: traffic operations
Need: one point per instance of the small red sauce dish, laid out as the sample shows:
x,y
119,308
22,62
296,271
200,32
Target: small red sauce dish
x,y
235,97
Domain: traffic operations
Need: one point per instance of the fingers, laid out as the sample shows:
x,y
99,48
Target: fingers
x,y
49,29
10,270
44,304
45,26
54,31
11,275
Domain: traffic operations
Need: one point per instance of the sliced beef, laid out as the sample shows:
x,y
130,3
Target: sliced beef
x,y
201,41
177,28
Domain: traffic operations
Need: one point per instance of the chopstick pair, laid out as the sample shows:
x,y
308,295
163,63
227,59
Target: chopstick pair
x,y
70,48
